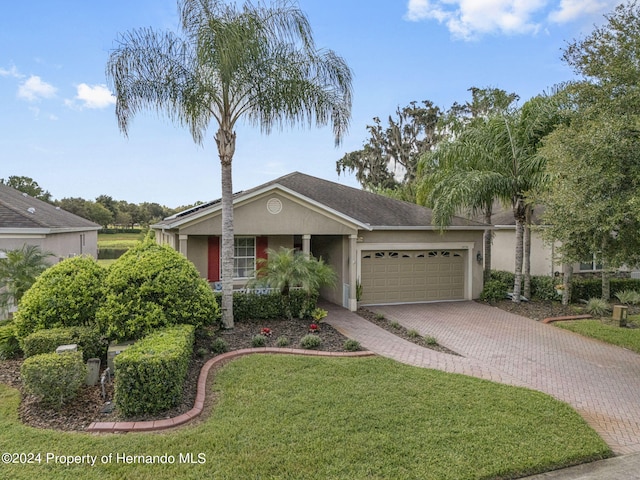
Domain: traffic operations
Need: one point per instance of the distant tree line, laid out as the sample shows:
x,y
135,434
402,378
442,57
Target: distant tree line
x,y
104,210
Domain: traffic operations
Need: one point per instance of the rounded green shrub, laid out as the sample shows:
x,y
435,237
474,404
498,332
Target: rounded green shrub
x,y
310,341
65,295
493,291
90,342
55,378
351,345
153,286
258,341
219,346
282,342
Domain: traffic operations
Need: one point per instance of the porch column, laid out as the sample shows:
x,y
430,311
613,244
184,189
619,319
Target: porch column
x,y
306,245
183,244
353,272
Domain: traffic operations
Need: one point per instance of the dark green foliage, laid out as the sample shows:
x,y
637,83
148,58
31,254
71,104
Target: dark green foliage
x,y
258,341
111,253
65,295
543,287
585,288
251,306
153,286
494,291
9,345
351,345
310,341
55,378
90,342
219,346
150,374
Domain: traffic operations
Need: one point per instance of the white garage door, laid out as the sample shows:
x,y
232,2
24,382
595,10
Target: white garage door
x,y
392,276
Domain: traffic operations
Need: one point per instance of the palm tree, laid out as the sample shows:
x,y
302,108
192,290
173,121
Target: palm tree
x,y
19,270
287,268
255,63
492,159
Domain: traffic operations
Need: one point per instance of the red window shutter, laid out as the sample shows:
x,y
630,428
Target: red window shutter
x,y
262,243
213,270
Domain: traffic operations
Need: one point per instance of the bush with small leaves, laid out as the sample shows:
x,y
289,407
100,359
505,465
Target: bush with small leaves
x,y
9,345
258,341
67,294
597,307
55,378
219,346
351,345
150,287
310,341
282,342
494,291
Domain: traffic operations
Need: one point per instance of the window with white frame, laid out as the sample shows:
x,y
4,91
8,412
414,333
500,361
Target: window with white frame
x,y
244,257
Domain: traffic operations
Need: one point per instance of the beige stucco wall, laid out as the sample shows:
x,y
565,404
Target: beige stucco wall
x,y
503,254
63,245
332,250
295,218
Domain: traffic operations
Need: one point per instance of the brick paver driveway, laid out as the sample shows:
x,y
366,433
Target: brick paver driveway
x,y
600,381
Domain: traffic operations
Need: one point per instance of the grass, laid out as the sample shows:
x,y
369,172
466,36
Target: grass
x,y
326,418
118,240
607,332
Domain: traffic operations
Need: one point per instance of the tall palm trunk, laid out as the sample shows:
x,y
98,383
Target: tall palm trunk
x,y
226,141
487,240
527,254
519,214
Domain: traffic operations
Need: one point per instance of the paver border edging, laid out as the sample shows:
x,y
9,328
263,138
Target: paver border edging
x,y
155,425
568,317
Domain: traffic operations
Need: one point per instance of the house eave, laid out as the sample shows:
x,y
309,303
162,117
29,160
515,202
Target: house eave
x,y
431,227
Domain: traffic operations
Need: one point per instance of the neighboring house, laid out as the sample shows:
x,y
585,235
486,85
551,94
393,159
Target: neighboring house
x,y
544,260
388,246
503,251
27,220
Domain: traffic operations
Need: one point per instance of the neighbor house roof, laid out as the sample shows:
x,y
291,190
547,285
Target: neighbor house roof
x,y
369,210
20,213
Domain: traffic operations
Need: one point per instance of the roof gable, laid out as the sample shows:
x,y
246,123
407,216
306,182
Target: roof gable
x,y
365,209
20,211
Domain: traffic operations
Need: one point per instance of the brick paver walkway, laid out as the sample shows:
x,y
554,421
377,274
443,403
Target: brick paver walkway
x,y
600,381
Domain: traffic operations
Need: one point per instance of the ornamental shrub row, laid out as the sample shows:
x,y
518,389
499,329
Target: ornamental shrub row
x,y
55,378
248,306
149,287
90,342
150,374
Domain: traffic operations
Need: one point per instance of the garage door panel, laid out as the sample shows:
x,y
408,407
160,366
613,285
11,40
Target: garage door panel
x,y
412,276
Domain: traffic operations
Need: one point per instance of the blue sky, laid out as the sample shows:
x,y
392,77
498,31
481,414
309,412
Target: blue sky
x,y
57,119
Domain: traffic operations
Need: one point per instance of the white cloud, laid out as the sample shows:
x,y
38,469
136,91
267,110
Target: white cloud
x,y
570,10
96,96
11,72
469,19
34,89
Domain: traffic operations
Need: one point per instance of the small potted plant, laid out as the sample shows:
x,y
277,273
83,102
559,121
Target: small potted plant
x,y
559,289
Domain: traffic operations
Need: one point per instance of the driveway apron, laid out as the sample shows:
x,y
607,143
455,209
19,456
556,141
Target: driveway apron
x,y
600,381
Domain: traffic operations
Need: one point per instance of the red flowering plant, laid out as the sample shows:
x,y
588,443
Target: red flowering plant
x,y
313,328
266,332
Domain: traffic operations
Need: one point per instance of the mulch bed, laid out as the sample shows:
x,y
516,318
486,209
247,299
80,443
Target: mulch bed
x,y
88,406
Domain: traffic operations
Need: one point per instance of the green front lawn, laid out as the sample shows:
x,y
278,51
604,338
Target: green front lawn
x,y
606,331
118,240
326,418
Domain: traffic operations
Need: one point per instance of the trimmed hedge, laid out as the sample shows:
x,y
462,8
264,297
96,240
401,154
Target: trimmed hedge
x,y
542,286
586,288
89,341
64,295
270,306
55,378
150,375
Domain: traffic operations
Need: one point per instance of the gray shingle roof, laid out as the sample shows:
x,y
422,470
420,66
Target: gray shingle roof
x,y
20,211
362,206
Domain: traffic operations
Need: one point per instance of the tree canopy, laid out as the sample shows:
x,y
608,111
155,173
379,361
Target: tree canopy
x,y
252,62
